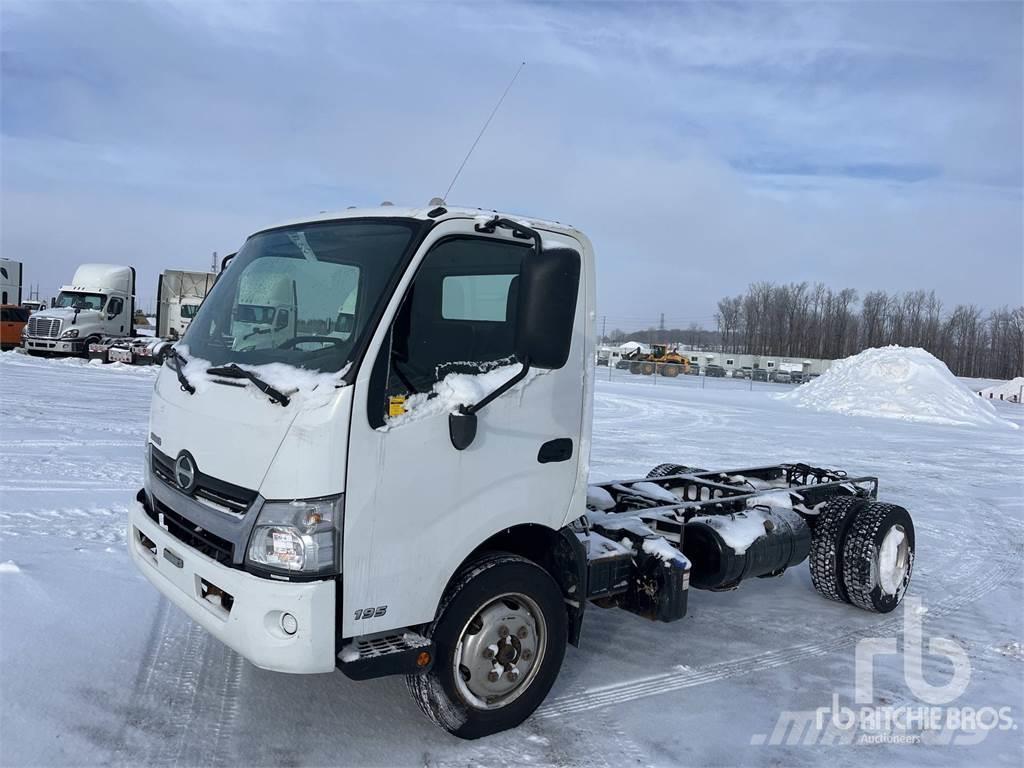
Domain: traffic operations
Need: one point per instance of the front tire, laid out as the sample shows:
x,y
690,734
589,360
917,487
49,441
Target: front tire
x,y
499,640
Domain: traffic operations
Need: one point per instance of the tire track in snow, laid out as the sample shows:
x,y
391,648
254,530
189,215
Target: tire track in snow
x,y
684,677
184,705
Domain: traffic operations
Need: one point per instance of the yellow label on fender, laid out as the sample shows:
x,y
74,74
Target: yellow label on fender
x,y
396,405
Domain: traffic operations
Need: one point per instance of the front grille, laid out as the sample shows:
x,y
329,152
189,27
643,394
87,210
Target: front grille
x,y
44,327
216,493
192,535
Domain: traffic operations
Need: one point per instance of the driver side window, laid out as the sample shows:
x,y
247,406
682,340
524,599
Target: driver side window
x,y
114,306
459,316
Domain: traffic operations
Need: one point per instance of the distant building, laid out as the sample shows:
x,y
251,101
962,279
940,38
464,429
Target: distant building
x,y
732,361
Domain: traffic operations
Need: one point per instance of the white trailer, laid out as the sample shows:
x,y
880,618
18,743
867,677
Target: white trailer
x,y
179,294
401,486
10,282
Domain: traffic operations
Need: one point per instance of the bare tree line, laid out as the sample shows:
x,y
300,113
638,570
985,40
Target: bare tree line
x,y
803,320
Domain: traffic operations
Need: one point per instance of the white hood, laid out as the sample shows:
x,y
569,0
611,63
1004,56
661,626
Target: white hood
x,y
86,317
236,434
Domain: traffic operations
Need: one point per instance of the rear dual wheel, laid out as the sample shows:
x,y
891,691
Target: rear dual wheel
x,y
499,639
862,553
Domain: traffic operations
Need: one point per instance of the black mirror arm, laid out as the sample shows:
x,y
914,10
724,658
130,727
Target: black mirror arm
x,y
462,423
518,230
476,407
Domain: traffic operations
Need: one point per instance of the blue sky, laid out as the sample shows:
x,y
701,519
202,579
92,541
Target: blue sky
x,y
701,146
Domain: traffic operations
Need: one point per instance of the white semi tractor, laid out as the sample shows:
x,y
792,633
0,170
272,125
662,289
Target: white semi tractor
x,y
99,302
401,485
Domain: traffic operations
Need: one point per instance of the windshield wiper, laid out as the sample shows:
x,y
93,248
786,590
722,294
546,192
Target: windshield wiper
x,y
177,360
232,371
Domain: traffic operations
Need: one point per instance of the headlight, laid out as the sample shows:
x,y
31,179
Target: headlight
x,y
298,536
71,333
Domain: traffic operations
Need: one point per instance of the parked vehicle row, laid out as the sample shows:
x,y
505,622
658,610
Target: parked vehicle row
x,y
94,315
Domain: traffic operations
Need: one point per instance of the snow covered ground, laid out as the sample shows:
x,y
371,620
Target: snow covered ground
x,y
96,668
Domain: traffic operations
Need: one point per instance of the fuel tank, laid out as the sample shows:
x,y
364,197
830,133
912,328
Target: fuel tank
x,y
762,541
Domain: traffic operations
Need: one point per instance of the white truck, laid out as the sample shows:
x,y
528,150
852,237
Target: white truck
x,y
179,293
99,302
401,487
264,317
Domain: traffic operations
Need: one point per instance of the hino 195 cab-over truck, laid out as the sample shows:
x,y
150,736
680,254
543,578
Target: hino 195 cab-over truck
x,y
395,480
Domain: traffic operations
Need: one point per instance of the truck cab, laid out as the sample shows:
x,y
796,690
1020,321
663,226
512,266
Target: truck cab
x,y
393,478
98,302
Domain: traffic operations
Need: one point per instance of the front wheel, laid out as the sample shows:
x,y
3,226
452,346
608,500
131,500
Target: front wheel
x,y
499,640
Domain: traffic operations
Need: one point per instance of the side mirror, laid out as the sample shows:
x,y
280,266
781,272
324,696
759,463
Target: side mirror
x,y
548,284
549,281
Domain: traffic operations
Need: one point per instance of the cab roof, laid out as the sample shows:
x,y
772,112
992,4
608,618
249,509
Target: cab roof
x,y
450,212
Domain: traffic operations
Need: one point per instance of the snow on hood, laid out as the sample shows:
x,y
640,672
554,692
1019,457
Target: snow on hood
x,y
306,388
896,383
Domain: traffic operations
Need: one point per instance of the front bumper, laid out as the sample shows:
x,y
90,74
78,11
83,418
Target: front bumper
x,y
248,619
67,347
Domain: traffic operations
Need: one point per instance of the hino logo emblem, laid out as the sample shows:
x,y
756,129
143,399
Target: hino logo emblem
x,y
185,472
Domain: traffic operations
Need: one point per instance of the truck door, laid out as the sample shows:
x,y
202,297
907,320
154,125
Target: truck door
x,y
116,321
416,507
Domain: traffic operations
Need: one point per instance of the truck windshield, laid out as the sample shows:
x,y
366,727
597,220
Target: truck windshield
x,y
300,295
76,300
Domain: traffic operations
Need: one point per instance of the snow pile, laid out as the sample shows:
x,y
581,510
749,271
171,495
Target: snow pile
x,y
1009,390
896,383
9,567
457,389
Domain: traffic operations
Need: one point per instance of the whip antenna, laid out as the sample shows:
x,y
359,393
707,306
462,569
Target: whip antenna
x,y
479,135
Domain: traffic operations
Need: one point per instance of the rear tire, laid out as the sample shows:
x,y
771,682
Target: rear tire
x,y
670,370
665,470
878,558
827,541
498,593
862,553
634,368
647,368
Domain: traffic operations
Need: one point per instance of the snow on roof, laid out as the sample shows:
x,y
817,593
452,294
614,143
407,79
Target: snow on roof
x,y
1009,390
897,383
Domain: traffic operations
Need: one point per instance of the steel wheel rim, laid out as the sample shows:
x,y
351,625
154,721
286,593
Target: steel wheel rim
x,y
894,550
500,651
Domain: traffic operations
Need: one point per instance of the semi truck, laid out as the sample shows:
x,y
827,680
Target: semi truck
x,y
409,495
98,302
